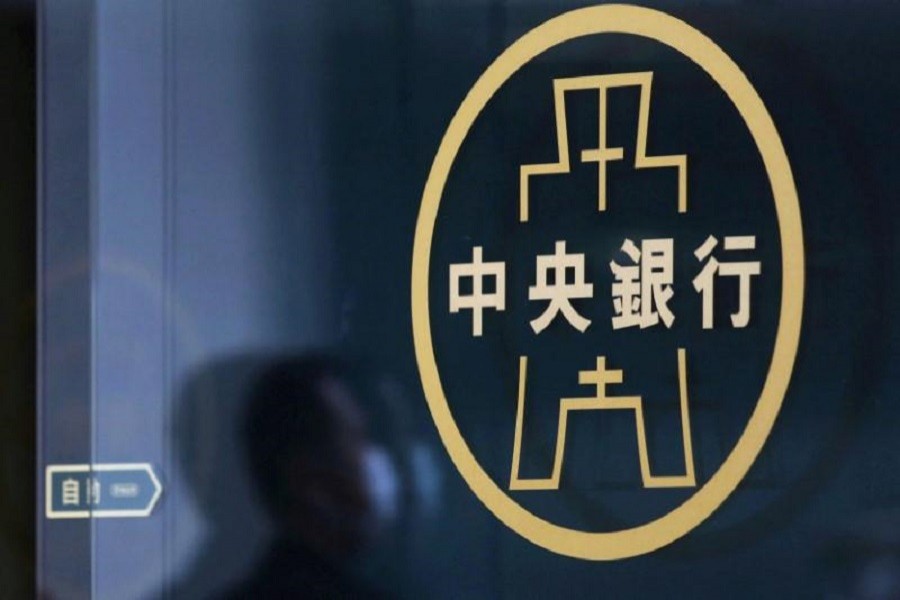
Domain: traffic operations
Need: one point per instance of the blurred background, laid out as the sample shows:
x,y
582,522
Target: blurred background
x,y
228,192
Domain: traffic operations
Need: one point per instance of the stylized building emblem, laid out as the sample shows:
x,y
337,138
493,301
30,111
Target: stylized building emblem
x,y
638,283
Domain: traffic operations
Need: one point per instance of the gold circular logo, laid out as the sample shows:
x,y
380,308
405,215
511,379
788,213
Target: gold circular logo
x,y
665,29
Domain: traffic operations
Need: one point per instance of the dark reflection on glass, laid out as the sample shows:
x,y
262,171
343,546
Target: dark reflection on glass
x,y
313,461
323,447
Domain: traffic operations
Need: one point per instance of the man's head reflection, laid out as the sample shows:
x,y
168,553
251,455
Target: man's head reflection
x,y
310,452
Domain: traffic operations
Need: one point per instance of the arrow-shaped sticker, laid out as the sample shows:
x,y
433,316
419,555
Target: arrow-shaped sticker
x,y
101,491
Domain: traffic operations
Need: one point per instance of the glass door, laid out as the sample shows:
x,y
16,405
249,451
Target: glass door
x,y
496,298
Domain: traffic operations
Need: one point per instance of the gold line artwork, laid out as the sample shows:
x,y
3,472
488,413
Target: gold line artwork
x,y
601,377
602,154
721,481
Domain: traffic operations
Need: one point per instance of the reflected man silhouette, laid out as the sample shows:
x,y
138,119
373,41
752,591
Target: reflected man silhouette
x,y
307,444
